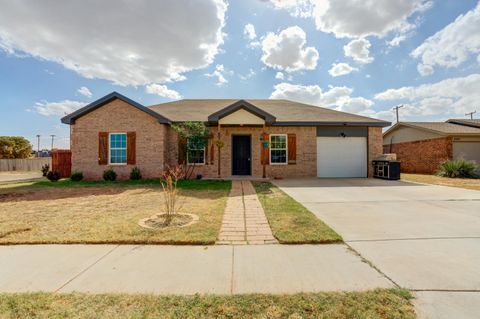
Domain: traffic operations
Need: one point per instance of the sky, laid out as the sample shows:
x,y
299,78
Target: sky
x,y
356,56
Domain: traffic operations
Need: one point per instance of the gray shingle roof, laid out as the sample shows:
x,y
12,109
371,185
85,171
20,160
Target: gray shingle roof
x,y
467,122
444,127
285,111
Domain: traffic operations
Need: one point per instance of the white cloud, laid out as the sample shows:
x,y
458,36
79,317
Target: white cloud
x,y
449,96
425,69
85,91
359,51
251,73
126,42
219,73
287,51
355,19
58,108
338,98
339,69
395,42
452,45
279,76
297,8
249,31
162,90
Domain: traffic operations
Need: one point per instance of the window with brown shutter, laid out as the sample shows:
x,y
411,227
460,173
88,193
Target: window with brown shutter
x,y
292,149
131,148
103,148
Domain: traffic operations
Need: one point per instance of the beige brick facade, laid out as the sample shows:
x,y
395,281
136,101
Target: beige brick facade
x,y
375,146
117,117
157,145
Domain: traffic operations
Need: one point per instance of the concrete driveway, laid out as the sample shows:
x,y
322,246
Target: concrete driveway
x,y
423,237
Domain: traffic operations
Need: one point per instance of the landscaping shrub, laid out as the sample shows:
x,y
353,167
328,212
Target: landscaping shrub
x,y
135,174
45,169
109,175
76,176
53,176
458,168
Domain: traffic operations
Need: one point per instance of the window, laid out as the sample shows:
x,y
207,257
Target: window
x,y
195,155
278,149
118,148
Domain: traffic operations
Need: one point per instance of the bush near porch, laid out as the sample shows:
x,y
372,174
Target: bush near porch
x,y
106,212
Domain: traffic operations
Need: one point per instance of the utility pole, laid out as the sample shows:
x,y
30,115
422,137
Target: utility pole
x,y
396,110
471,114
53,136
38,145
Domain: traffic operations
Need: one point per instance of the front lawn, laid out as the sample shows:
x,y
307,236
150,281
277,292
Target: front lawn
x,y
379,303
467,183
290,221
106,212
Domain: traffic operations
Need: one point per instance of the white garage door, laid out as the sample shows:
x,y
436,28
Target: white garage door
x,y
342,157
467,150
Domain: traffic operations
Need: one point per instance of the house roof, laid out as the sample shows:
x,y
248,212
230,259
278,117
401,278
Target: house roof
x,y
284,112
241,104
443,128
70,118
467,122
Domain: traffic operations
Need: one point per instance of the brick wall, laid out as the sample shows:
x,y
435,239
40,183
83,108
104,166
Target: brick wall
x,y
118,117
306,152
422,156
375,141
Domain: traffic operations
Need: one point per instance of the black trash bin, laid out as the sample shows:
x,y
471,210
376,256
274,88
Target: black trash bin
x,y
386,169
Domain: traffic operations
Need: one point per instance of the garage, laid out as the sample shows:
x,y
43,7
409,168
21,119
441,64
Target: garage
x,y
341,152
469,150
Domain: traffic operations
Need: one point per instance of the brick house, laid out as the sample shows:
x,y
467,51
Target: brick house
x,y
423,146
275,138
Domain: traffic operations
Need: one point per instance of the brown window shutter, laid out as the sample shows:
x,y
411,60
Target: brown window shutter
x,y
131,148
212,153
181,150
103,148
265,152
292,149
206,152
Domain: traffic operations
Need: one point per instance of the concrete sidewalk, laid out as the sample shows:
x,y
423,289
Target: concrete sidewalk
x,y
185,269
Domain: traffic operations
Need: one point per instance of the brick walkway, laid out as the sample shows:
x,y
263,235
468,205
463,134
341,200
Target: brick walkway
x,y
244,221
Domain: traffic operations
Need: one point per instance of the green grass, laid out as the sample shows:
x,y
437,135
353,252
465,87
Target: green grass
x,y
290,221
107,212
379,303
66,182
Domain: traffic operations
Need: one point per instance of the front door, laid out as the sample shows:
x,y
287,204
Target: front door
x,y
241,155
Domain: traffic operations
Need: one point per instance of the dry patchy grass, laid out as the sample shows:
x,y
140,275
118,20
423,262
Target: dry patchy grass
x,y
467,183
379,303
106,213
290,221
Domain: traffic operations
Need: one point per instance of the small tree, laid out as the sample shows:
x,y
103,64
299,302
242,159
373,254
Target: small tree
x,y
169,182
194,136
15,147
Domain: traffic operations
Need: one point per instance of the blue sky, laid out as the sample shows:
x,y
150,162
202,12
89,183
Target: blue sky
x,y
348,55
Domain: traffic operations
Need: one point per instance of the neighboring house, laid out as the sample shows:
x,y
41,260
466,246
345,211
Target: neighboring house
x,y
304,140
423,146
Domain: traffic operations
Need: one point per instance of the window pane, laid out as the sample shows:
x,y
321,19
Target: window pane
x,y
278,156
278,141
118,148
195,156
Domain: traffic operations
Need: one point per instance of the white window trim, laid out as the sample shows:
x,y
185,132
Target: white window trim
x,y
204,155
109,153
270,149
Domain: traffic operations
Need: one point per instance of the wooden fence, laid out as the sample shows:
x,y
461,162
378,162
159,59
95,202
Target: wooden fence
x,y
24,164
62,162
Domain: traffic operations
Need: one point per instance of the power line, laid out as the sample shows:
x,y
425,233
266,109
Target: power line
x,y
471,114
396,110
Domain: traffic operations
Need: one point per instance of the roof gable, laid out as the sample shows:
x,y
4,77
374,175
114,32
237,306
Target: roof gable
x,y
70,118
241,104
